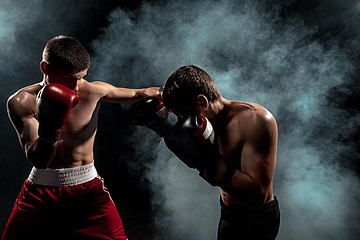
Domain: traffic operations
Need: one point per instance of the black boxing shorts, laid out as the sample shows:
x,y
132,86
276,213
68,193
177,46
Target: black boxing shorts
x,y
239,223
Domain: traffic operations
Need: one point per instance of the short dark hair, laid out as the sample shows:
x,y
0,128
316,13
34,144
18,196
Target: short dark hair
x,y
66,52
186,84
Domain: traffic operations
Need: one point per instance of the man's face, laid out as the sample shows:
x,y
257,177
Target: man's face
x,y
66,77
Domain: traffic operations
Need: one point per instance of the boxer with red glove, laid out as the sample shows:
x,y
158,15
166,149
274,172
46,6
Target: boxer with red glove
x,y
50,204
190,139
53,105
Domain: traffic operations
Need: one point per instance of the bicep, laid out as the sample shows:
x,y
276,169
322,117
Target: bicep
x,y
24,123
114,94
122,95
259,153
29,132
259,166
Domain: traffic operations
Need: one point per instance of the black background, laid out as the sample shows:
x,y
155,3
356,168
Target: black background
x,y
84,20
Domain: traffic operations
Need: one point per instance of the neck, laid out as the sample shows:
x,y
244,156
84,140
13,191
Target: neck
x,y
44,81
217,111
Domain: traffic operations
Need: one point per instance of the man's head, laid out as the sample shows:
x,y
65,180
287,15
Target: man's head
x,y
64,61
189,88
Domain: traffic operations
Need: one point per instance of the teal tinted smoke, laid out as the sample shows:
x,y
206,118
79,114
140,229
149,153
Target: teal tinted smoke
x,y
253,55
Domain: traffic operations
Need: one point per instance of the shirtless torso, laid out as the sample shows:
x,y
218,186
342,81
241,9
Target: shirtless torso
x,y
75,148
56,123
246,135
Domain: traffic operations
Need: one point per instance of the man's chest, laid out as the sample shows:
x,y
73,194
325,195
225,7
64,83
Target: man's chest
x,y
83,117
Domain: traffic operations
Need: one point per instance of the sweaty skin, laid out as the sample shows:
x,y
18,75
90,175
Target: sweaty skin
x,y
246,135
75,148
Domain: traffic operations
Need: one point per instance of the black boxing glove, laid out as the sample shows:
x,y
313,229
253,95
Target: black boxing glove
x,y
151,112
191,139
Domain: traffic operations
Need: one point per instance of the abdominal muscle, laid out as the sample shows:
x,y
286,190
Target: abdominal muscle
x,y
70,154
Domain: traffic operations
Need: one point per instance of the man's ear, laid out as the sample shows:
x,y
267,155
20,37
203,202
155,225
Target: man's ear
x,y
44,67
203,102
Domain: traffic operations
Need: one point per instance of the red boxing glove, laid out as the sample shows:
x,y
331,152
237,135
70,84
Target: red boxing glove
x,y
53,105
205,131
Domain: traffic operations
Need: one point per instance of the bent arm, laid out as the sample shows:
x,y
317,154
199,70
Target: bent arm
x,y
114,94
253,183
39,152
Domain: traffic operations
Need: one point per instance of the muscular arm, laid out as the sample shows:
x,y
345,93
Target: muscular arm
x,y
124,95
20,111
253,183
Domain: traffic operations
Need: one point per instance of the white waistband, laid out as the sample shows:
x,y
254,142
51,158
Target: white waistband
x,y
63,177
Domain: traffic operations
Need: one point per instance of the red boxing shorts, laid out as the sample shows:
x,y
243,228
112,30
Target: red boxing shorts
x,y
67,203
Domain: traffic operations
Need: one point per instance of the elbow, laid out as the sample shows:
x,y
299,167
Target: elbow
x,y
259,201
137,95
258,198
140,93
261,193
40,153
31,157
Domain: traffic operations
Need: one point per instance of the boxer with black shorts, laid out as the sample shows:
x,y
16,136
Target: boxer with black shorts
x,y
56,122
232,144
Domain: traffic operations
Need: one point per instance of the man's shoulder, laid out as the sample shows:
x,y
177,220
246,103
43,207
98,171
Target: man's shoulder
x,y
27,90
95,87
23,101
96,83
251,116
250,110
